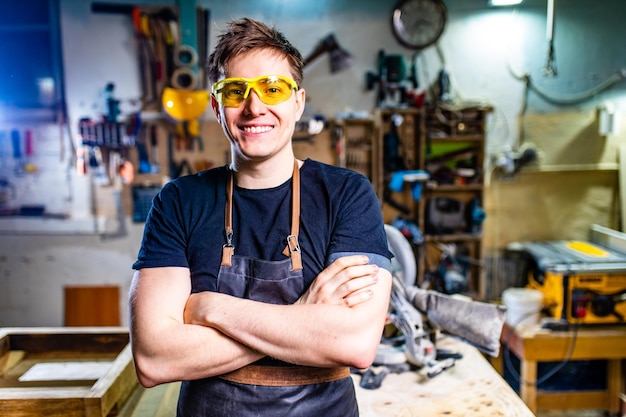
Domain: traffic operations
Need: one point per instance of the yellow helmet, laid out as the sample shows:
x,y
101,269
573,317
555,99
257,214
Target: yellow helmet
x,y
184,104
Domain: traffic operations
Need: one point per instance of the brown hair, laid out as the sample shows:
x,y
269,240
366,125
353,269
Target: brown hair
x,y
245,35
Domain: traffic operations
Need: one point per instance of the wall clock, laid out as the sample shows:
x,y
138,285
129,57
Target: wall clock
x,y
418,23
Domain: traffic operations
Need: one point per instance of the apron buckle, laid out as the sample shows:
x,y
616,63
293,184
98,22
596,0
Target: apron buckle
x,y
293,251
227,253
292,243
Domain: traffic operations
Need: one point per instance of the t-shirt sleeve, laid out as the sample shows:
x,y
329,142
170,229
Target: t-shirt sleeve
x,y
359,227
163,242
374,259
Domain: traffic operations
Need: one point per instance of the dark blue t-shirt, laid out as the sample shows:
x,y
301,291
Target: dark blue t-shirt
x,y
340,214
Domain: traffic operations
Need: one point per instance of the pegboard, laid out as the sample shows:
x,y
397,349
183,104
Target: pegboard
x,y
34,164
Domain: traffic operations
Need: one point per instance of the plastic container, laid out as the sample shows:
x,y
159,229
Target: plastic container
x,y
523,306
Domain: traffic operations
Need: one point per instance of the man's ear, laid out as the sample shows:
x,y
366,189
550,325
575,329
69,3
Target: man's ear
x,y
300,102
216,109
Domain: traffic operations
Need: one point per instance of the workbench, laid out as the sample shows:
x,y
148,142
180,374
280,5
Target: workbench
x,y
534,344
471,388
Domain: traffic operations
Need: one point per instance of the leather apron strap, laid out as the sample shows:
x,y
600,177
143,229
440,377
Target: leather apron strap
x,y
285,376
292,249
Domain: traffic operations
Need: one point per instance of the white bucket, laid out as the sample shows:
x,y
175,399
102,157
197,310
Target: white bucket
x,y
523,306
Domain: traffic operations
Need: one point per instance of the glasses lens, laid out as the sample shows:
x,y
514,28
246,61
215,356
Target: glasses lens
x,y
231,93
270,89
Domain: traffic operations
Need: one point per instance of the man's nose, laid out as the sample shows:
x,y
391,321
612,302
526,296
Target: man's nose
x,y
253,103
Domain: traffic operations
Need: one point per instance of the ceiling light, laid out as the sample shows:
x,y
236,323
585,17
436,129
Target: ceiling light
x,y
496,3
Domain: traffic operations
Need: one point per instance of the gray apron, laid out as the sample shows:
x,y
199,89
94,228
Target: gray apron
x,y
272,392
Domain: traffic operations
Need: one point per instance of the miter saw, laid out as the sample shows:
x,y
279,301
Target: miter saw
x,y
417,314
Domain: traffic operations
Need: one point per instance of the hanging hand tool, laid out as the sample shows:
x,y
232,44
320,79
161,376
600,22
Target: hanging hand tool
x,y
144,159
189,132
176,169
96,164
146,55
29,165
167,19
155,168
16,142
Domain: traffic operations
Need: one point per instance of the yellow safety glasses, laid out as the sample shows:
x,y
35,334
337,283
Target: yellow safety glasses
x,y
271,89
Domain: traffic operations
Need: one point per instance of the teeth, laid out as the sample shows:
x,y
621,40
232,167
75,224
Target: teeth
x,y
257,129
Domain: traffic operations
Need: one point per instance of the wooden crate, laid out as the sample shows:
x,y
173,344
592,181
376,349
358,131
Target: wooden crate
x,y
57,394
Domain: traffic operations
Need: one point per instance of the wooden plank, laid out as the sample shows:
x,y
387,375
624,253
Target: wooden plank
x,y
67,407
622,185
528,387
580,400
92,305
544,345
159,401
614,383
10,359
66,339
116,386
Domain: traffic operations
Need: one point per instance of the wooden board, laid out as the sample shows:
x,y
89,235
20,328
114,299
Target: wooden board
x,y
59,395
471,388
92,305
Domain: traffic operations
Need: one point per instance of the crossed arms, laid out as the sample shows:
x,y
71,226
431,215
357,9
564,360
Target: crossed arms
x,y
175,336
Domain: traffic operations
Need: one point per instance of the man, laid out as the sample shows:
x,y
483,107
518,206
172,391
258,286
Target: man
x,y
286,261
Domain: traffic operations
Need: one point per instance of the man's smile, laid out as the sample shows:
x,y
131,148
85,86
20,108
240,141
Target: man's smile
x,y
257,129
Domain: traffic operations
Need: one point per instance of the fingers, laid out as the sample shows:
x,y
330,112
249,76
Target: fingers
x,y
347,281
340,266
357,278
358,289
358,297
345,262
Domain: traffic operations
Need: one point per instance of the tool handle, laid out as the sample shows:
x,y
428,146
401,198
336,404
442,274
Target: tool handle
x,y
17,145
153,136
28,143
101,7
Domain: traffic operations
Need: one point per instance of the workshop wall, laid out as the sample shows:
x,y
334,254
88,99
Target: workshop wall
x,y
494,56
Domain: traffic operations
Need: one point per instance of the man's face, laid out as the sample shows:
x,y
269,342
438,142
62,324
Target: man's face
x,y
259,131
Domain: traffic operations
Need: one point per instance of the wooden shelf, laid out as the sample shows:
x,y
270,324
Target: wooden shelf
x,y
453,238
458,138
447,188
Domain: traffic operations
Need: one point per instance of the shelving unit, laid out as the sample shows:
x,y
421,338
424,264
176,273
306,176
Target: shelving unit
x,y
450,210
358,148
400,151
448,144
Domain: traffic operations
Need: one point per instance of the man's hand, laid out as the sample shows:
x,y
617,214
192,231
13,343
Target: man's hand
x,y
348,316
197,307
347,281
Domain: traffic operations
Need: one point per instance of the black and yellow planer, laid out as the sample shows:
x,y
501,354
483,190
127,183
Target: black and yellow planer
x,y
582,282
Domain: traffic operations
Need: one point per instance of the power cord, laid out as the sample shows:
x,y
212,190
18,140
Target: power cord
x,y
552,371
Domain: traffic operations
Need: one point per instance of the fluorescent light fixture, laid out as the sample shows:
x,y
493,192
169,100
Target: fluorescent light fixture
x,y
496,3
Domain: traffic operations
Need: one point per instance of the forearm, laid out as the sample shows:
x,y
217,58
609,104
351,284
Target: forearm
x,y
186,352
306,334
166,349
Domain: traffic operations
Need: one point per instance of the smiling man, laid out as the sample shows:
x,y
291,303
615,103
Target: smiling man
x,y
258,284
